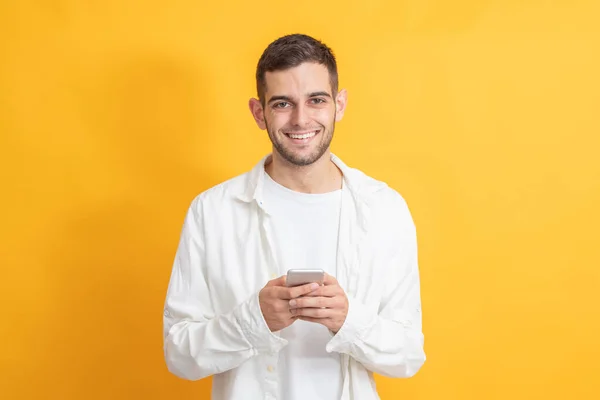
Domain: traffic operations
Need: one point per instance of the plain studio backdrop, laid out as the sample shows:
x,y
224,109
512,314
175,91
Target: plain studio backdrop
x,y
484,115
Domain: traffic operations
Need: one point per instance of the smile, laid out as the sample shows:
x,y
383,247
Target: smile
x,y
302,135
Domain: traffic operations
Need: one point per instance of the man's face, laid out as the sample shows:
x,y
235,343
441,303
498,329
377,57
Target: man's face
x,y
300,112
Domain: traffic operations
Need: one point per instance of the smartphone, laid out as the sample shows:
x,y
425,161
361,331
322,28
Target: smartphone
x,y
297,277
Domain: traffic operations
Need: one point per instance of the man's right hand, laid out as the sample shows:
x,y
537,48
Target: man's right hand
x,y
274,301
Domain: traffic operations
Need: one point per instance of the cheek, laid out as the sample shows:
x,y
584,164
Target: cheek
x,y
277,120
324,116
324,123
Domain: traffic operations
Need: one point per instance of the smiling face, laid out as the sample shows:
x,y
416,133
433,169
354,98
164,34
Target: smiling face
x,y
299,112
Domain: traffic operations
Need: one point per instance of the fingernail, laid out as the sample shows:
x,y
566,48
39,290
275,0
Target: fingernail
x,y
314,286
292,303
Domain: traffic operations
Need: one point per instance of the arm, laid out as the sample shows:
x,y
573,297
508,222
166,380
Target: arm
x,y
389,341
197,342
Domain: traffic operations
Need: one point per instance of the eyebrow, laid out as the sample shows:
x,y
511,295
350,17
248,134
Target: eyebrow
x,y
287,98
317,94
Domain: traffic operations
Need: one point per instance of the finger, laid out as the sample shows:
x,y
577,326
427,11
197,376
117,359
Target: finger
x,y
313,302
302,290
277,281
330,280
325,291
321,321
313,312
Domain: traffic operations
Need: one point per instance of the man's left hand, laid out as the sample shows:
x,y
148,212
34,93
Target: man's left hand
x,y
327,305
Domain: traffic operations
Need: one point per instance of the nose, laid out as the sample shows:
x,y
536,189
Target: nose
x,y
300,116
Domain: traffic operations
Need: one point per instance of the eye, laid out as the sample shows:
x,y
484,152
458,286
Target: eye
x,y
281,104
317,100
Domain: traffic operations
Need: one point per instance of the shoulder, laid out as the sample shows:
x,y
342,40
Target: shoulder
x,y
370,189
385,203
221,195
391,198
374,190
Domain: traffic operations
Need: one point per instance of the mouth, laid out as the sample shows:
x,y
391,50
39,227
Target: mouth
x,y
302,137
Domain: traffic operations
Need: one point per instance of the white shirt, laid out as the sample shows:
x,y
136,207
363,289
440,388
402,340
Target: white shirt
x,y
212,323
305,234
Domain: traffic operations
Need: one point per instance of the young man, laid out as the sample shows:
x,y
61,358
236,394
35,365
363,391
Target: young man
x,y
228,312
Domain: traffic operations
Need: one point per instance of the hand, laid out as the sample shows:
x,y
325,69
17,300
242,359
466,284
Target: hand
x,y
327,305
274,302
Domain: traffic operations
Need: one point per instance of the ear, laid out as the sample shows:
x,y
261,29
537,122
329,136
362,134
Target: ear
x,y
340,104
257,112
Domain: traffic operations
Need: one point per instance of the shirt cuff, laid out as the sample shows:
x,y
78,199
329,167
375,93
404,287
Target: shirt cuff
x,y
360,318
252,323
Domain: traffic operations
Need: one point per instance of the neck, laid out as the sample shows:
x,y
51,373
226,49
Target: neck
x,y
322,176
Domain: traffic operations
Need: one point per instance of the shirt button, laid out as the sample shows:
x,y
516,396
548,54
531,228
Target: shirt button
x,y
273,276
270,368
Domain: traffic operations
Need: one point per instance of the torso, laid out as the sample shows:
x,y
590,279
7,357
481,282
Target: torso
x,y
305,235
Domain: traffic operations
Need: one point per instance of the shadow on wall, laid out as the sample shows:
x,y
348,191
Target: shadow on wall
x,y
113,255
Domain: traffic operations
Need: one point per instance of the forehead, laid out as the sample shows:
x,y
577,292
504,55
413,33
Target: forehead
x,y
298,81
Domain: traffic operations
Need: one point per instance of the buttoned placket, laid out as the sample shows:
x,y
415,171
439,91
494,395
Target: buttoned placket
x,y
346,271
270,360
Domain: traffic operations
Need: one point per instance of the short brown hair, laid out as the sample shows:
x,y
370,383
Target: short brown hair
x,y
290,51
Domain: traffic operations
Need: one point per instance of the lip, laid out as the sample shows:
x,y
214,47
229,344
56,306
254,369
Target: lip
x,y
303,141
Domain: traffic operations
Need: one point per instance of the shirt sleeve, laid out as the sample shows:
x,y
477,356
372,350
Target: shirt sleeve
x,y
388,340
196,341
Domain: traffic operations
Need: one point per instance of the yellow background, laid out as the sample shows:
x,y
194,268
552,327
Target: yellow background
x,y
483,114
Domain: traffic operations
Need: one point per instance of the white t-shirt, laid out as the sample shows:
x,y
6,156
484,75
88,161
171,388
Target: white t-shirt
x,y
305,233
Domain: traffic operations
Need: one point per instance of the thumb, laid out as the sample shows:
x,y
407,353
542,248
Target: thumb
x,y
277,281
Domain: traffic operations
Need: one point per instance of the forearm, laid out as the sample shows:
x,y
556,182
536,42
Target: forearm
x,y
390,346
198,348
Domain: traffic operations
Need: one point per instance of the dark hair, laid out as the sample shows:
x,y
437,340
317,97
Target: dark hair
x,y
290,51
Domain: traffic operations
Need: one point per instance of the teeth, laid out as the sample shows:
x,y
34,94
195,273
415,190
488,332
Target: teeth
x,y
303,136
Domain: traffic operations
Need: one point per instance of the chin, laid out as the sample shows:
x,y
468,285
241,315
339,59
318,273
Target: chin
x,y
302,160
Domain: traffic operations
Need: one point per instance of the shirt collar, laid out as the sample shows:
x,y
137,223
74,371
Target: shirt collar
x,y
358,184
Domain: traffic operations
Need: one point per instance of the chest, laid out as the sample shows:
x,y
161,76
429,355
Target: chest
x,y
246,251
304,236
